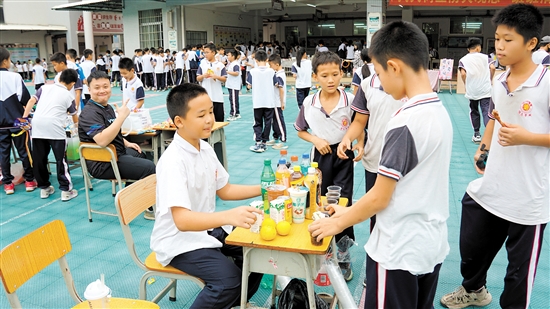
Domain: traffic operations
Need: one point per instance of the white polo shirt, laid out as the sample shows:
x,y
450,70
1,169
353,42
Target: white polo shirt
x,y
541,57
132,90
478,75
87,67
262,80
167,64
158,62
516,182
180,63
147,65
186,178
371,100
115,60
77,85
303,73
358,75
53,104
280,82
234,82
213,87
411,233
330,127
38,71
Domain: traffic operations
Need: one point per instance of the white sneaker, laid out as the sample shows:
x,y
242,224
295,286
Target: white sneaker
x,y
270,143
280,146
231,118
238,116
45,193
68,195
476,138
461,298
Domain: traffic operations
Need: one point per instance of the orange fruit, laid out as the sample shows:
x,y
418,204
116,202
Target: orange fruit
x,y
283,228
268,232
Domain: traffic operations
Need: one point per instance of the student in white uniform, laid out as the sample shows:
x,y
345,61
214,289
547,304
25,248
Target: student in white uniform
x,y
301,70
279,91
477,70
158,63
148,69
508,206
45,65
366,70
132,88
25,70
53,103
541,56
411,197
60,63
211,74
38,74
115,73
189,234
88,66
233,83
180,66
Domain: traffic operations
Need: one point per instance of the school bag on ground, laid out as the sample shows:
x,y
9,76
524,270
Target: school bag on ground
x,y
294,296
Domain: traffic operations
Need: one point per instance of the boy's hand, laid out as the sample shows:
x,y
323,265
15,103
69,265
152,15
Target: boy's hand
x,y
512,135
344,146
336,211
476,157
243,216
360,149
123,111
322,146
134,146
282,105
324,227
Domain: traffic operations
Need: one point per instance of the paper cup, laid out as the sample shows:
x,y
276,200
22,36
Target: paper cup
x,y
299,198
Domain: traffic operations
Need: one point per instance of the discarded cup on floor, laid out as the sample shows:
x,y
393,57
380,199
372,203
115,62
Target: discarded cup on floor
x,y
97,294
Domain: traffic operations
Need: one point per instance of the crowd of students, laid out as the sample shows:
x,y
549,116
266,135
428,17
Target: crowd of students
x,y
406,155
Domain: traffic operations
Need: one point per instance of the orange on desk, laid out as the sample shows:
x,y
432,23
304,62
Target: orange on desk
x,y
121,303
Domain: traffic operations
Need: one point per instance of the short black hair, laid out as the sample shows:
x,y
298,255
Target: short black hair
x,y
526,19
88,52
210,46
321,42
126,63
59,58
473,43
68,76
108,51
115,52
260,55
37,60
146,49
234,52
325,58
96,75
402,40
275,58
4,54
71,52
177,101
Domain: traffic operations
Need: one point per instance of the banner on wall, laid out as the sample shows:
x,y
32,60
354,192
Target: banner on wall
x,y
22,52
495,3
227,36
106,23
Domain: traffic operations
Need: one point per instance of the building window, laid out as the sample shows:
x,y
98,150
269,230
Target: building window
x,y
466,25
2,21
359,27
194,38
150,28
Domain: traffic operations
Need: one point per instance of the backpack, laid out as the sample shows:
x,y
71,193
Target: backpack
x,y
294,296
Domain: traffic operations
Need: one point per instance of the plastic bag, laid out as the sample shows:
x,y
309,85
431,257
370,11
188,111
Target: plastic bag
x,y
294,296
17,172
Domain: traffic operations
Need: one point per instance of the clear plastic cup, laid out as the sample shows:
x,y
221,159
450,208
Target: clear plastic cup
x,y
333,195
335,189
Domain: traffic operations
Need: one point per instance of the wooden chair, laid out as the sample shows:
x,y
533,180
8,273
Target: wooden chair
x,y
131,202
94,152
26,257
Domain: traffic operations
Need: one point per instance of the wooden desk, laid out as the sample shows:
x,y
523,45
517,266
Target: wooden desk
x,y
123,303
216,140
294,255
138,138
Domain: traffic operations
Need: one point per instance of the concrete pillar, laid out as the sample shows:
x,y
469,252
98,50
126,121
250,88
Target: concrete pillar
x,y
376,17
72,28
407,14
88,30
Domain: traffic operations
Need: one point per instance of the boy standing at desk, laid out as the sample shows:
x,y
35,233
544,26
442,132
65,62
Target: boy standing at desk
x,y
188,234
410,196
211,74
132,88
509,204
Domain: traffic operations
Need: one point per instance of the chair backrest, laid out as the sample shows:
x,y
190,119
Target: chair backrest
x,y
135,199
27,256
94,152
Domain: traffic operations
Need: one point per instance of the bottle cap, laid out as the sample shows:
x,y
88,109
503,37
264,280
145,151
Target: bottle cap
x,y
314,164
96,290
311,170
267,162
282,161
297,168
294,158
283,152
305,156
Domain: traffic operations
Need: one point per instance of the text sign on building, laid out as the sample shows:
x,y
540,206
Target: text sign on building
x,y
107,23
497,3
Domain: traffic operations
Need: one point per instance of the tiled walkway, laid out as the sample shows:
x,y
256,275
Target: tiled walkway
x,y
99,247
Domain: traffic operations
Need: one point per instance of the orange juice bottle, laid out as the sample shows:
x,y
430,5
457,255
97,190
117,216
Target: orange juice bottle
x,y
282,174
311,182
296,178
320,181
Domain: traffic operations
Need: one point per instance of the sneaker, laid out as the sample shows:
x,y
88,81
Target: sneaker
x,y
365,282
347,272
231,118
460,298
68,195
280,146
9,188
258,147
238,116
30,185
149,214
45,193
476,138
271,142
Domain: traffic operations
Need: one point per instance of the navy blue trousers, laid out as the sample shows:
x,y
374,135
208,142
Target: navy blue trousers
x,y
222,277
301,94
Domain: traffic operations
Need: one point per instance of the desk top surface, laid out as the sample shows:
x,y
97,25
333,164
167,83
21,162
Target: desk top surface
x,y
217,126
125,303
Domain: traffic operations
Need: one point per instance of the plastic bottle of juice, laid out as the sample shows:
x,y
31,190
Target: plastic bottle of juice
x,y
284,154
320,178
282,174
311,182
267,179
296,178
293,163
305,163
